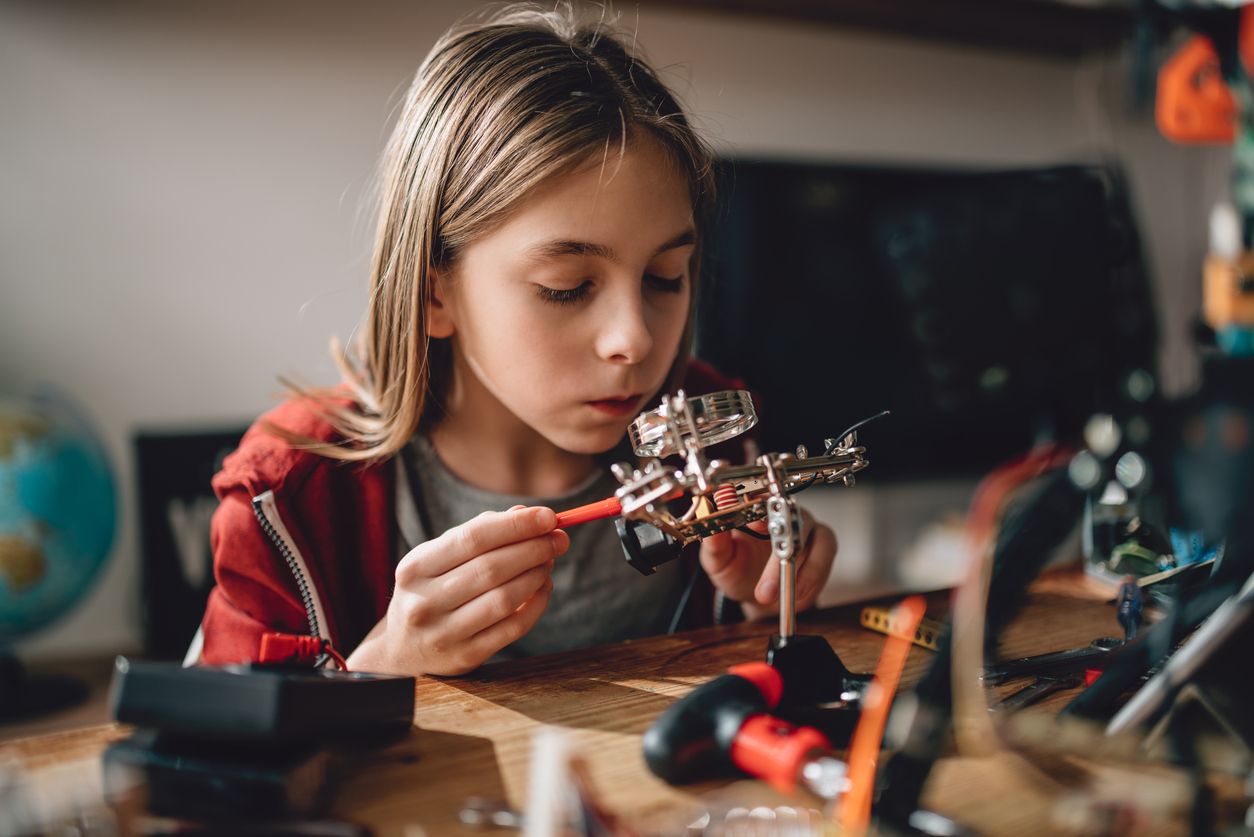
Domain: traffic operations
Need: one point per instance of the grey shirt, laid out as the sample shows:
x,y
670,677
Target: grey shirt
x,y
597,597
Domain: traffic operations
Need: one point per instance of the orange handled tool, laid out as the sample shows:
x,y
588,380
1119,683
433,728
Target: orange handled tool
x,y
609,507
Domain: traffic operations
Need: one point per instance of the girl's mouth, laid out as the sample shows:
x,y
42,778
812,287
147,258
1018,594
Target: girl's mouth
x,y
628,405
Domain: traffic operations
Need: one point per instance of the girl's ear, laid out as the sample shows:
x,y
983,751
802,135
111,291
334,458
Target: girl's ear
x,y
439,315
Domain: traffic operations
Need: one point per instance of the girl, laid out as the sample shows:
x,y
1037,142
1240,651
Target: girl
x,y
531,292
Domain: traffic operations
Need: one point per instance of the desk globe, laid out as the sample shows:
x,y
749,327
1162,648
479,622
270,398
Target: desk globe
x,y
57,514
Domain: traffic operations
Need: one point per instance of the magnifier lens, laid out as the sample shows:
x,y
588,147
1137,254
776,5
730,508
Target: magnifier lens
x,y
718,416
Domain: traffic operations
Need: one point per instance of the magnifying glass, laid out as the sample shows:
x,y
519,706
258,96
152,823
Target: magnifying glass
x,y
717,416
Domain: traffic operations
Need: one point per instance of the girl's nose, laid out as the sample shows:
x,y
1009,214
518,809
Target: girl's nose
x,y
624,336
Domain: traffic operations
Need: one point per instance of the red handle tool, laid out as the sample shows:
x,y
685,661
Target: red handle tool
x,y
609,507
727,722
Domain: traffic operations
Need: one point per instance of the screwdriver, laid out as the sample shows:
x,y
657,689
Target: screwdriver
x,y
609,507
725,724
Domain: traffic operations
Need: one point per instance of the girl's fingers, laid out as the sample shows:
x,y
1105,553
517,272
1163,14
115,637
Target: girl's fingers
x,y
497,604
514,626
473,538
812,577
732,560
717,553
488,572
767,590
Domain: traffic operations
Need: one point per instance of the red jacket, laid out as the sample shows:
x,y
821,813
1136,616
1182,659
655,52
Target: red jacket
x,y
299,538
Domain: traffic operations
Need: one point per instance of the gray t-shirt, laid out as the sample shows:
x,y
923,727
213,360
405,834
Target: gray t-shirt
x,y
597,597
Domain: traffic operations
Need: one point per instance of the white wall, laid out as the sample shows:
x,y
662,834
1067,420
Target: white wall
x,y
182,188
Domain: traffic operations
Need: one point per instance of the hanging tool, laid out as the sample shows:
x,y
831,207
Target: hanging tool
x,y
1096,654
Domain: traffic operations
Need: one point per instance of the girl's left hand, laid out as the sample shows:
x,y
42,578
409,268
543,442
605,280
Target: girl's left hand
x,y
743,568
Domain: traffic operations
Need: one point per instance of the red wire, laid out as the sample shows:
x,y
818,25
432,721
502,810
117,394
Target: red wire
x,y
990,495
279,648
868,735
335,655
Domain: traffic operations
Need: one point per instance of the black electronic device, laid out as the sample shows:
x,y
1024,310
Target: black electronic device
x,y
258,703
209,780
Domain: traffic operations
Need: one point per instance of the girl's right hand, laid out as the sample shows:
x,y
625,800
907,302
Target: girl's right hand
x,y
467,594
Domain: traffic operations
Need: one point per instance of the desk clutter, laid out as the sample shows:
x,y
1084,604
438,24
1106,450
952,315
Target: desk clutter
x,y
1150,717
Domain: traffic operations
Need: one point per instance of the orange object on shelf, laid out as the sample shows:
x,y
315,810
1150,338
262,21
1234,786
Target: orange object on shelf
x,y
1194,103
1226,296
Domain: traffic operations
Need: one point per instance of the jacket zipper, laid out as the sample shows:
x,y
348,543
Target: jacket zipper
x,y
267,514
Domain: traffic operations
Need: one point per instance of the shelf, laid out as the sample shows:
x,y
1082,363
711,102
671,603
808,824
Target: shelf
x,y
1051,27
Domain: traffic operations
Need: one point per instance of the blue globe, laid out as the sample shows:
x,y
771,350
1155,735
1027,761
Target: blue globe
x,y
57,512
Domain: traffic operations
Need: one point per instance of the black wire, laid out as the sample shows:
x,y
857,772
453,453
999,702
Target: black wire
x,y
683,600
836,440
754,534
809,482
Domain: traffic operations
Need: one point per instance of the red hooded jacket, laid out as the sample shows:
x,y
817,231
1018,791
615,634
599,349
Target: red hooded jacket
x,y
304,544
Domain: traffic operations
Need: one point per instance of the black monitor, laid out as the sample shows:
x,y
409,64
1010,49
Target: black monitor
x,y
985,309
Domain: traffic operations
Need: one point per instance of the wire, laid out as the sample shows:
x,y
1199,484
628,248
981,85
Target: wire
x,y
813,478
335,655
759,535
868,735
836,439
683,600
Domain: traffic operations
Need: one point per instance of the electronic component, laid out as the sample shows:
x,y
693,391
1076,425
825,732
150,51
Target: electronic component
x,y
719,496
207,779
881,620
260,703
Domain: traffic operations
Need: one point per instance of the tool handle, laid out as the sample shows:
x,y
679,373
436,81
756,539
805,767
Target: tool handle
x,y
609,507
776,750
1059,662
693,738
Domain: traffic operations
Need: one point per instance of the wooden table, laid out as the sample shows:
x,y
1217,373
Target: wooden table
x,y
474,734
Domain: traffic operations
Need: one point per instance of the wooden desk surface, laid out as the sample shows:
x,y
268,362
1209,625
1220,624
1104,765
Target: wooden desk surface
x,y
474,733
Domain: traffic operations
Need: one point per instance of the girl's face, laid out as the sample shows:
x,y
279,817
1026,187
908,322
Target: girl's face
x,y
569,315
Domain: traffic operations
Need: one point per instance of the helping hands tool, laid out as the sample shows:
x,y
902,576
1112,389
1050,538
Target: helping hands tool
x,y
721,496
744,719
750,718
761,718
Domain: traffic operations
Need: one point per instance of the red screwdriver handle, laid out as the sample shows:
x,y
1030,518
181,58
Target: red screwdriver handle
x,y
765,677
776,750
608,507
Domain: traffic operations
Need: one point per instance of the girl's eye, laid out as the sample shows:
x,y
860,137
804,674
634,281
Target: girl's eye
x,y
668,284
563,296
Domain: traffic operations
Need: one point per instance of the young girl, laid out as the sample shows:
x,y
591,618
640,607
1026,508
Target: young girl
x,y
532,289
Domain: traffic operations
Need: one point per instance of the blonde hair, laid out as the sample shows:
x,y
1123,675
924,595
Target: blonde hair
x,y
497,108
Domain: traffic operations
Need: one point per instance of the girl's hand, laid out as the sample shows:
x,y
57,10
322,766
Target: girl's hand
x,y
465,595
743,568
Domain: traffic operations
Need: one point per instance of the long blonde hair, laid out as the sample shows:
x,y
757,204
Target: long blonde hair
x,y
497,108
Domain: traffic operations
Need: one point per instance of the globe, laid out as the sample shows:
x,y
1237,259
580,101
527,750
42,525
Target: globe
x,y
57,512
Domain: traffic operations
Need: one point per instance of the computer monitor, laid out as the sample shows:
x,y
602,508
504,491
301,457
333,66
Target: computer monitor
x,y
984,309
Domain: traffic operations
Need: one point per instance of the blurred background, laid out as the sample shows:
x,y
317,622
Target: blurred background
x,y
184,215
